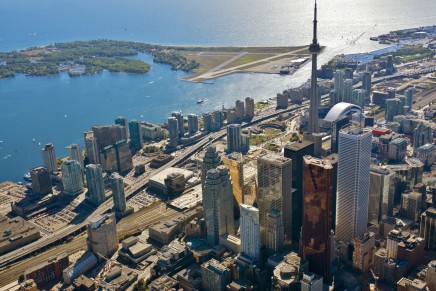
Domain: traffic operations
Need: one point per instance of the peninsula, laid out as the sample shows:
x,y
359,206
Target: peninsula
x,y
91,57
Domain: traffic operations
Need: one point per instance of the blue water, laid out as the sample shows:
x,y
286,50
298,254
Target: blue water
x,y
35,107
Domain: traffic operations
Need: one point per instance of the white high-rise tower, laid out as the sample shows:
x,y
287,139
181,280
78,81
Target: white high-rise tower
x,y
250,231
353,182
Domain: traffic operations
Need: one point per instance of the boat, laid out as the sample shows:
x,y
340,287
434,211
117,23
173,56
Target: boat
x,y
1,141
27,177
33,140
201,101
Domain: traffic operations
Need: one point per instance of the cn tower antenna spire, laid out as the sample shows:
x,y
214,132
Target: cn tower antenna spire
x,y
315,22
314,49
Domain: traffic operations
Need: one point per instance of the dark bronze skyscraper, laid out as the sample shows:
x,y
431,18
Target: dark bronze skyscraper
x,y
318,187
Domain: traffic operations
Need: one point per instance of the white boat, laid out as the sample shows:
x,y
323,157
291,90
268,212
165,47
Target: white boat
x,y
33,139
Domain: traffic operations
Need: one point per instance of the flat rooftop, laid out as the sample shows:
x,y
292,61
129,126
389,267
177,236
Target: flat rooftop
x,y
296,146
160,178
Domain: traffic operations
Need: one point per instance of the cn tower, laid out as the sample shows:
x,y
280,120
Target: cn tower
x,y
314,50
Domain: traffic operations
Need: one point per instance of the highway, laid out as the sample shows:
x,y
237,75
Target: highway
x,y
139,184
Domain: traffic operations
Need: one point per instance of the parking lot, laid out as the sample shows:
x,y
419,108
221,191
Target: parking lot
x,y
142,199
58,217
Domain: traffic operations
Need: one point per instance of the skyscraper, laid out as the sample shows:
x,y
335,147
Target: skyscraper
x,y
192,123
49,157
366,85
41,183
314,50
431,276
108,134
333,97
240,109
214,276
218,119
75,153
218,204
348,91
427,228
393,108
72,177
274,192
409,96
250,231
117,158
95,184
353,182
337,125
120,120
118,194
381,193
338,85
296,152
318,187
135,135
102,236
249,107
211,161
173,129
180,125
91,147
422,135
275,236
234,162
358,97
208,122
234,138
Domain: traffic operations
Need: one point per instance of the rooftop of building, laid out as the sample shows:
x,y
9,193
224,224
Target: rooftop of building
x,y
215,266
12,229
275,158
414,162
380,170
355,130
428,146
416,283
382,252
47,262
105,218
430,212
399,140
323,163
231,238
160,177
167,225
83,281
296,146
39,169
164,283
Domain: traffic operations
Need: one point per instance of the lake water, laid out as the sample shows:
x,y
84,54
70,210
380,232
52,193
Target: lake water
x,y
58,109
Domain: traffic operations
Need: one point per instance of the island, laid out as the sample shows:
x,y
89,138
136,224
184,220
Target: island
x,y
93,56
